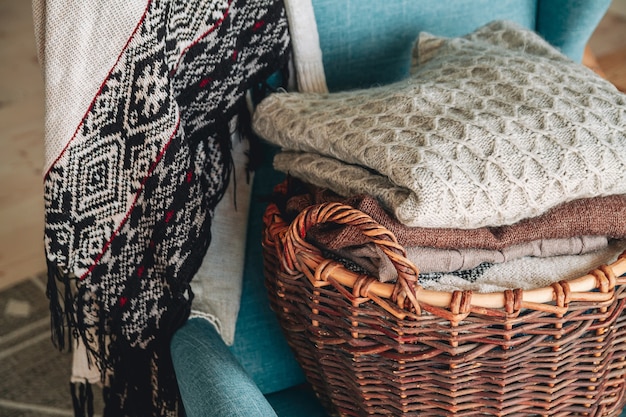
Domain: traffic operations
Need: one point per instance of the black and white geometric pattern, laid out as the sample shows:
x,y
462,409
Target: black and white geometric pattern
x,y
129,201
470,275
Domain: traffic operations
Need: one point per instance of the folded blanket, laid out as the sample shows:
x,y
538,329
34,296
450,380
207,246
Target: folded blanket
x,y
491,128
525,273
373,260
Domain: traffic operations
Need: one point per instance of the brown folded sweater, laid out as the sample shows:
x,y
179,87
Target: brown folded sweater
x,y
598,216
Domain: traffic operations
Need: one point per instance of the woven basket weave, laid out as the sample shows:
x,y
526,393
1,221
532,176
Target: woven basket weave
x,y
394,349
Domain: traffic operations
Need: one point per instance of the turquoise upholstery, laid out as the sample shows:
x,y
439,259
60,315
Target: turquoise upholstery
x,y
364,43
368,42
259,345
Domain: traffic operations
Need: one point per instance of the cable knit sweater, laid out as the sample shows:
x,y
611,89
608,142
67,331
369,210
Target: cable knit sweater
x,y
491,128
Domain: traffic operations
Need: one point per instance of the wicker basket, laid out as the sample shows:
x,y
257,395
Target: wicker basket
x,y
394,349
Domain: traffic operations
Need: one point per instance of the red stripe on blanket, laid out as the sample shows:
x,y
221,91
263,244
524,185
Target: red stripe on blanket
x,y
211,29
132,206
143,16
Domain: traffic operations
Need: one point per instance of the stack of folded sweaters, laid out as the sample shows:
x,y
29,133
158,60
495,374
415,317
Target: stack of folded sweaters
x,y
499,163
565,242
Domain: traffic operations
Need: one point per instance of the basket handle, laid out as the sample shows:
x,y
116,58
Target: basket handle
x,y
406,286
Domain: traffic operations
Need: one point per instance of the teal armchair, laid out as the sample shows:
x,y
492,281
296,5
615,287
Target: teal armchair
x,y
364,43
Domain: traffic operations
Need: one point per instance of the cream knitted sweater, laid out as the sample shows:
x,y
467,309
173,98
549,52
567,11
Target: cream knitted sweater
x,y
490,128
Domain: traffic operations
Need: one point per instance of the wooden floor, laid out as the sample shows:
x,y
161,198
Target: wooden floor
x,y
21,132
21,146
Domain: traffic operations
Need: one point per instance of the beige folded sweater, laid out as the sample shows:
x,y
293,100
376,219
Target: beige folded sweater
x,y
490,129
373,260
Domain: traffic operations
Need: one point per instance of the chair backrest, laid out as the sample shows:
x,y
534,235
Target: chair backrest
x,y
368,42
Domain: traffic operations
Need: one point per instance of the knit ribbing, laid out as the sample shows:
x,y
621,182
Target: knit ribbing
x,y
305,46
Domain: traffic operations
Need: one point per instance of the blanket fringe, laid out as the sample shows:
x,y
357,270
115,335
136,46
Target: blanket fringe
x,y
62,314
257,92
82,399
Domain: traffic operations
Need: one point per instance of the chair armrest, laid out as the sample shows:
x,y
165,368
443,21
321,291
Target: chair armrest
x,y
210,379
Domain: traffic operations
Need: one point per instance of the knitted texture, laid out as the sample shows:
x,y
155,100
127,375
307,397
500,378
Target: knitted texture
x,y
598,216
573,228
490,128
77,41
374,261
526,273
130,198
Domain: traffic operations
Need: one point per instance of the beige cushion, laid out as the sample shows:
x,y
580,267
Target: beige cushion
x,y
491,128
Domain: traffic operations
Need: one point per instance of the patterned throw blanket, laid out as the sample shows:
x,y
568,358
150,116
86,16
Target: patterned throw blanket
x,y
132,182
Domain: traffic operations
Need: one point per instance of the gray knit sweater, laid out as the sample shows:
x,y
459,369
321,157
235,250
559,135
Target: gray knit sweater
x,y
489,129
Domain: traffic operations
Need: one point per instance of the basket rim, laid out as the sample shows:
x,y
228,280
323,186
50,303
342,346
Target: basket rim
x,y
596,286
